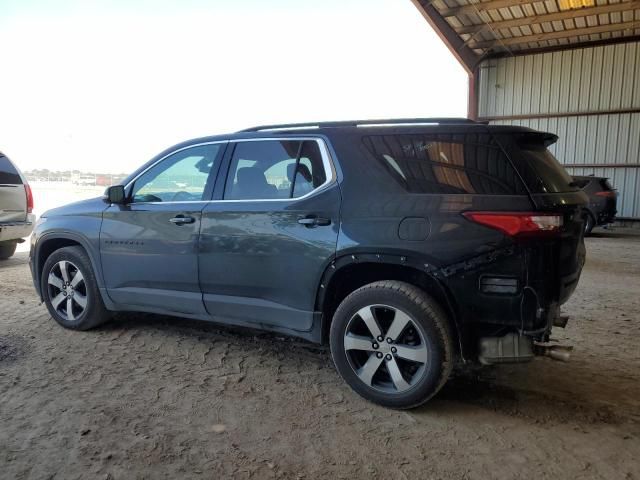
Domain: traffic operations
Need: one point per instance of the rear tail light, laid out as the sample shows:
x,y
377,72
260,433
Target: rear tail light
x,y
607,193
29,193
517,224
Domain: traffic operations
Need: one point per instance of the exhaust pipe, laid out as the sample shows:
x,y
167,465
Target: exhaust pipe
x,y
556,352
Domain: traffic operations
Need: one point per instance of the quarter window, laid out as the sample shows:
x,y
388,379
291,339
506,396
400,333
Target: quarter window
x,y
274,169
446,163
182,176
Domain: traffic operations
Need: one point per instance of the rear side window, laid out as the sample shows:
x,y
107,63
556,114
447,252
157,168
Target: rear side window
x,y
446,163
8,173
274,169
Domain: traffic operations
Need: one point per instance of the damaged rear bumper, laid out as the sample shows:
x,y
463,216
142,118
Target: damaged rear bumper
x,y
519,348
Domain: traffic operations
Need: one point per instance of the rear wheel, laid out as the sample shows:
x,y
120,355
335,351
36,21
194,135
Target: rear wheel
x,y
70,290
589,223
391,343
7,249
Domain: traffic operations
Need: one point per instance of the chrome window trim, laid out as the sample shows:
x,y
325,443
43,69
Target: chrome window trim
x,y
327,163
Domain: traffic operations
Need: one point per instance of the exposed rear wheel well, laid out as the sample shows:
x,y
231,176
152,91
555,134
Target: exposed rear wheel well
x,y
352,277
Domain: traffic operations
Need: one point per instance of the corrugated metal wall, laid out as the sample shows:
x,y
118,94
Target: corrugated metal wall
x,y
594,83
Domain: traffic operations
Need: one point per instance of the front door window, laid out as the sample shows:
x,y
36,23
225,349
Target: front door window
x,y
182,176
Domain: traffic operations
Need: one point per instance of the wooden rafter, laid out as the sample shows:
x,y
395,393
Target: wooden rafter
x,y
540,37
552,17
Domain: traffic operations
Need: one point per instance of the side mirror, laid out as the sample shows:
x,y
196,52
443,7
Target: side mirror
x,y
114,194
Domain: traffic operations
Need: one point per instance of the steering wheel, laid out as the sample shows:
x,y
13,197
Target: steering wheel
x,y
181,196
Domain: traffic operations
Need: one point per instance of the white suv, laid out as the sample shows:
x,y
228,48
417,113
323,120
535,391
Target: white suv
x,y
16,207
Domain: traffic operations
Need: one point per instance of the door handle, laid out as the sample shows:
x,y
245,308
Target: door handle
x,y
311,221
182,220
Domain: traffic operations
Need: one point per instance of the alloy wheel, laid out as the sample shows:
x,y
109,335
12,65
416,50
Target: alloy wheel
x,y
385,348
67,290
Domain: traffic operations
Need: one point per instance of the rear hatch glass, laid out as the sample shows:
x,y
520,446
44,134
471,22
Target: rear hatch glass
x,y
606,186
540,170
8,173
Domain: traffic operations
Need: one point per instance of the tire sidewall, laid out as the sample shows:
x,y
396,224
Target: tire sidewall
x,y
81,262
7,250
589,224
432,334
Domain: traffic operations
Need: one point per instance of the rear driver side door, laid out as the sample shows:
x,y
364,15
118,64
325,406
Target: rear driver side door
x,y
270,233
149,246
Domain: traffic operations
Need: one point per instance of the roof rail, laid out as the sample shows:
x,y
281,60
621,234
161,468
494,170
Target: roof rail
x,y
363,123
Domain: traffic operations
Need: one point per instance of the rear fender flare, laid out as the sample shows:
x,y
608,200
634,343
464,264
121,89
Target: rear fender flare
x,y
409,261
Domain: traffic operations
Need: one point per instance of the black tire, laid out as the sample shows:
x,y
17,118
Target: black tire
x,y
94,313
429,319
589,223
7,249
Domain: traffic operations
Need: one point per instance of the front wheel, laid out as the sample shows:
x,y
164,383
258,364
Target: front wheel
x,y
70,290
391,343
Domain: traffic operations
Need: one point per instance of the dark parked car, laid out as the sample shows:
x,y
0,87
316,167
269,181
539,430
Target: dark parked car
x,y
407,245
603,199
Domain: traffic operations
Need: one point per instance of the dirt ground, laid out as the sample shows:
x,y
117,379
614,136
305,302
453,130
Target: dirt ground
x,y
153,397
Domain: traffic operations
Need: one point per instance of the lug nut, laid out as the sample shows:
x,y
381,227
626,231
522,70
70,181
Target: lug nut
x,y
394,349
379,354
388,356
380,338
375,346
64,293
389,340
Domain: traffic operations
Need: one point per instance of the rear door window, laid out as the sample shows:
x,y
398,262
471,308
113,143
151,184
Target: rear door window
x,y
8,173
446,163
274,169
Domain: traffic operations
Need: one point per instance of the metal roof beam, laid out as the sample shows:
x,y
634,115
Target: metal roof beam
x,y
482,7
463,53
552,17
541,37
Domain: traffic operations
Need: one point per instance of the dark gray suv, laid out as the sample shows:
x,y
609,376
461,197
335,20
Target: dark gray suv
x,y
407,245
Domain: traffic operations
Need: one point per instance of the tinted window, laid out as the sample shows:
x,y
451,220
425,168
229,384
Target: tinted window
x,y
273,169
182,176
8,173
452,164
604,183
540,169
308,174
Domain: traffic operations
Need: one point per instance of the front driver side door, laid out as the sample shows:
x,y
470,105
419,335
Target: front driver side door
x,y
149,247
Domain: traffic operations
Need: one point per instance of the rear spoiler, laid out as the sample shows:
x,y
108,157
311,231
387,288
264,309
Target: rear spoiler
x,y
536,138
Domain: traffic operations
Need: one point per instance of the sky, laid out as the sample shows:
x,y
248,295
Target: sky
x,y
103,86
